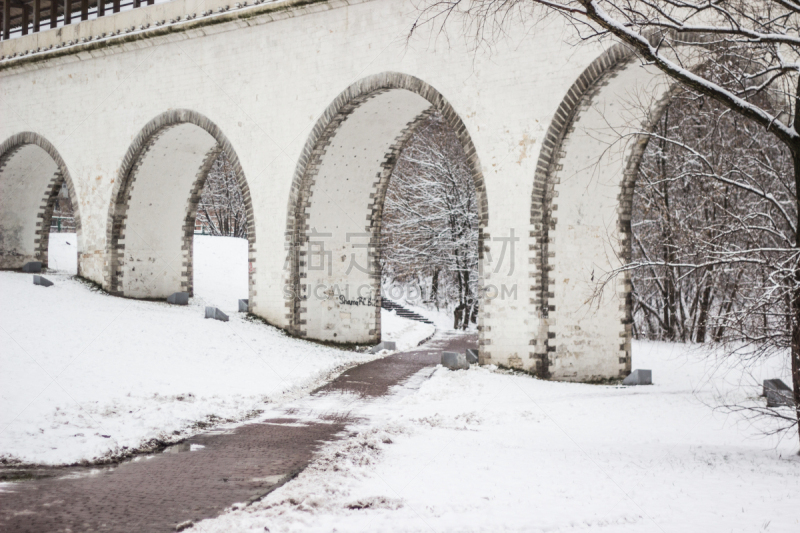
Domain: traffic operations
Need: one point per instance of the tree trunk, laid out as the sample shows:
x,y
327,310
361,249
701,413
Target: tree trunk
x,y
458,314
435,288
705,304
795,310
467,300
669,288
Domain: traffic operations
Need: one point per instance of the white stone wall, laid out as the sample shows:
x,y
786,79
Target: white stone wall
x,y
264,76
27,173
589,321
341,300
153,235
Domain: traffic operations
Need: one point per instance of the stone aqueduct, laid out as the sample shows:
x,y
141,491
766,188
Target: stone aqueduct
x,y
313,101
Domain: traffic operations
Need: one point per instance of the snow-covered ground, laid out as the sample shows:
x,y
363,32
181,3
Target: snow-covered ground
x,y
62,253
86,375
220,271
485,450
441,318
405,333
408,297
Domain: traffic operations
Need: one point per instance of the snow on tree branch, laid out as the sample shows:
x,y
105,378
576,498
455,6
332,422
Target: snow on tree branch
x,y
430,221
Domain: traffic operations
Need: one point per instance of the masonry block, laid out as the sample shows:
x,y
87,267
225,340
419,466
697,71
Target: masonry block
x,y
41,280
454,361
472,356
639,377
385,345
778,393
178,298
244,306
216,314
33,266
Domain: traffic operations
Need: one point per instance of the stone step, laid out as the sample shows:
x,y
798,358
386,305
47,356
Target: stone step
x,y
389,305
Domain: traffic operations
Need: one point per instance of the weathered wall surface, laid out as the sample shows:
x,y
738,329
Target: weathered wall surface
x,y
264,75
341,285
27,171
153,236
591,223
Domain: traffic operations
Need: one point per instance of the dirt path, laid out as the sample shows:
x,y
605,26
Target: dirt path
x,y
201,477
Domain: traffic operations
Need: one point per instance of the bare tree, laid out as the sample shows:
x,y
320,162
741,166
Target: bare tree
x,y
757,46
222,211
63,219
687,216
429,232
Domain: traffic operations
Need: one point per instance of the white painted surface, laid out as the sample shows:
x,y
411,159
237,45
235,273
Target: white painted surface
x,y
264,81
23,184
340,268
154,227
586,239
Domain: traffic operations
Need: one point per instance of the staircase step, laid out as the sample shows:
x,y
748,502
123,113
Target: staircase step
x,y
401,311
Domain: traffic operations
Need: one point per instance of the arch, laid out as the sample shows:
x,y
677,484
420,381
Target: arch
x,y
360,135
31,175
154,204
584,164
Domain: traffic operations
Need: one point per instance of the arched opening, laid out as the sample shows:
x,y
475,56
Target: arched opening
x,y
152,218
333,283
33,180
581,212
220,248
62,254
642,173
429,231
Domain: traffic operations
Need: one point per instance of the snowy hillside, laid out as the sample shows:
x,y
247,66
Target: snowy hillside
x,y
86,375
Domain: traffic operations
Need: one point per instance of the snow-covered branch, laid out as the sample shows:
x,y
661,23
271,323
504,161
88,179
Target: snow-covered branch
x,y
429,231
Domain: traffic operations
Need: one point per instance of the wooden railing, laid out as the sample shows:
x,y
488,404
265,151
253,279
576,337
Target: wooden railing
x,y
21,17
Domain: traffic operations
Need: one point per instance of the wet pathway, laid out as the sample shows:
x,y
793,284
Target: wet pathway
x,y
209,472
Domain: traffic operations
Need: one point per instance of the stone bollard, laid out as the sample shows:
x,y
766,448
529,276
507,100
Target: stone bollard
x,y
216,314
639,377
244,306
32,267
454,361
472,356
385,345
778,393
43,281
178,298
